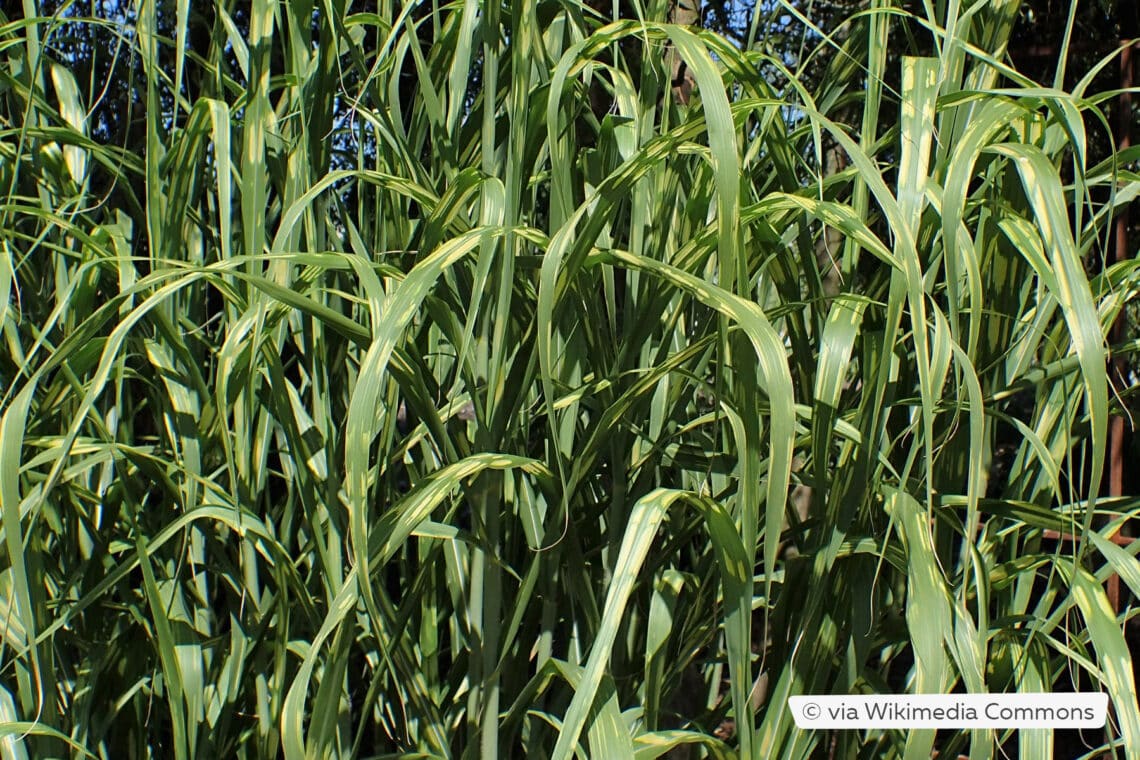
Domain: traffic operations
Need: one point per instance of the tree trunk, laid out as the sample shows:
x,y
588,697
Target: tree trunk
x,y
683,13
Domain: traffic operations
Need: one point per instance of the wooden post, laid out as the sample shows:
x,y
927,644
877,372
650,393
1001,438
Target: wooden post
x,y
1120,252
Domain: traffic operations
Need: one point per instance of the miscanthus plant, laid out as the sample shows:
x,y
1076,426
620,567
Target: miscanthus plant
x,y
480,380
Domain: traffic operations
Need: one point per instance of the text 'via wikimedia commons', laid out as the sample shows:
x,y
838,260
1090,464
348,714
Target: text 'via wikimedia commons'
x,y
1061,710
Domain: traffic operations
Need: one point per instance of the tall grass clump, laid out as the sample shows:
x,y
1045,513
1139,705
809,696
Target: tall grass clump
x,y
548,379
